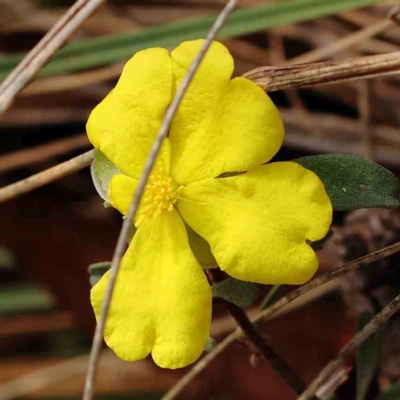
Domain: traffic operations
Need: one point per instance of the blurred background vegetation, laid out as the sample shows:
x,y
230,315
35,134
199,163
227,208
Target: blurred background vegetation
x,y
49,237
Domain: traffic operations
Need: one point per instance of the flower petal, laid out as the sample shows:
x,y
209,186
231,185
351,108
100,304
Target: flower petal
x,y
222,125
121,191
123,126
162,300
257,223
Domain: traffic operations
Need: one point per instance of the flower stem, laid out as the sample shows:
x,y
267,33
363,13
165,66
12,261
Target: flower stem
x,y
261,342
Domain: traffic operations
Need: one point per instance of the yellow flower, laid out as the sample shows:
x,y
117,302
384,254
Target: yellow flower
x,y
257,223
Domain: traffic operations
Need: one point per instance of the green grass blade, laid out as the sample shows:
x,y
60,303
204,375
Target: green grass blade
x,y
100,51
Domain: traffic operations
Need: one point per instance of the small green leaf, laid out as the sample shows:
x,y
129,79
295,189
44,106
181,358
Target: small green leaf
x,y
353,182
102,171
241,293
97,270
367,357
319,244
210,345
393,393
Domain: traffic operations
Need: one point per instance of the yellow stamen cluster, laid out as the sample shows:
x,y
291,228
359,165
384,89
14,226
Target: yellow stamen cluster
x,y
161,194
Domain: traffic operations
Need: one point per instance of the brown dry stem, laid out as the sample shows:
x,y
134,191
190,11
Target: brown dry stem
x,y
303,75
302,290
260,341
49,175
44,50
277,78
377,322
37,154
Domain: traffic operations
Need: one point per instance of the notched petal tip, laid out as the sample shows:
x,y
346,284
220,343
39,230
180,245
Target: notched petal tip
x,y
223,125
162,300
258,223
123,126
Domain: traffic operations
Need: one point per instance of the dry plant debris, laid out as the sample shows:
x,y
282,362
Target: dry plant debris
x,y
357,118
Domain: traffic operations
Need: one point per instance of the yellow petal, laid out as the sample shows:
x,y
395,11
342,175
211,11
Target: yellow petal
x,y
162,300
123,126
222,125
121,191
257,223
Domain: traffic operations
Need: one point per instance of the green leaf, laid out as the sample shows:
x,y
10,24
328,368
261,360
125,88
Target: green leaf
x,y
113,48
393,393
97,270
353,182
241,293
367,357
210,345
102,171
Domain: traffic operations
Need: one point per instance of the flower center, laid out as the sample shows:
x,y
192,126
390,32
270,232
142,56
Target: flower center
x,y
161,194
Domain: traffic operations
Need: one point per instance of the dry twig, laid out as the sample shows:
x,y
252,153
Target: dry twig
x,y
45,376
41,153
348,41
238,333
49,175
272,79
303,75
44,50
377,322
364,107
261,342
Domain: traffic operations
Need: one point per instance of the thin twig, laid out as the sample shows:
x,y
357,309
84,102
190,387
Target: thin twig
x,y
364,109
238,333
43,377
335,381
264,345
304,75
377,322
260,341
175,390
48,175
271,296
343,43
334,130
72,81
272,79
45,49
121,244
41,153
